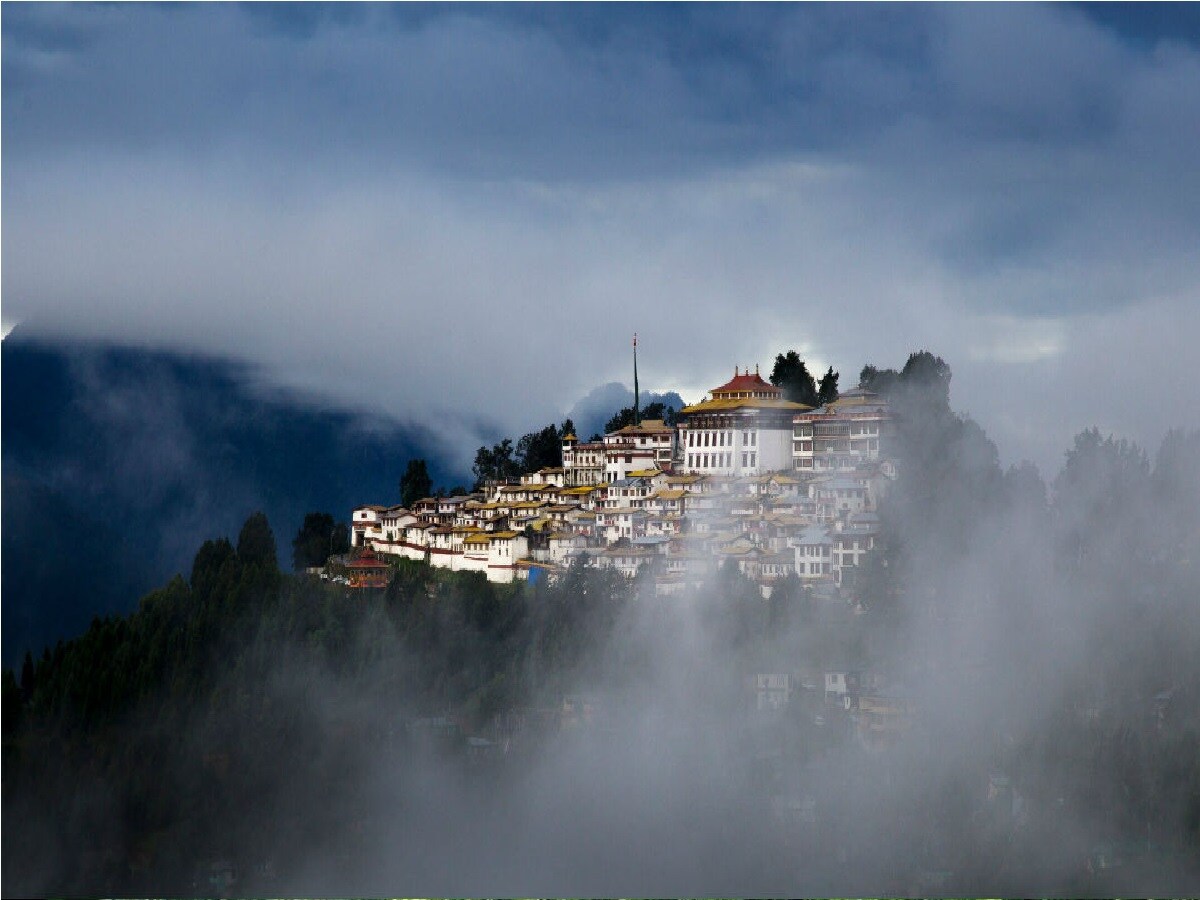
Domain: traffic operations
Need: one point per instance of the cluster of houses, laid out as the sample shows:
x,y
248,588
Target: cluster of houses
x,y
744,478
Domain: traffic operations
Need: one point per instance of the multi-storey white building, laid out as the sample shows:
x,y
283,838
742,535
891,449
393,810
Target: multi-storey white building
x,y
366,525
645,446
814,553
744,428
583,462
854,429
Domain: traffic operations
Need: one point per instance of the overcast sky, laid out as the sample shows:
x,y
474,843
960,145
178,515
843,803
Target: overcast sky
x,y
454,212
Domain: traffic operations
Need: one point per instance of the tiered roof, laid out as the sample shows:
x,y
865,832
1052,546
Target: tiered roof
x,y
745,391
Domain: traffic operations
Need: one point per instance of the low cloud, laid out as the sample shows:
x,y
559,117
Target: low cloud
x,y
464,210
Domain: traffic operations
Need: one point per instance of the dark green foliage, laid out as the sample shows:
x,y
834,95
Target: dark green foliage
x,y
540,449
213,560
341,538
880,381
227,711
1024,488
1103,479
27,676
828,391
318,539
928,375
535,450
791,374
415,483
256,544
196,702
496,464
12,698
655,410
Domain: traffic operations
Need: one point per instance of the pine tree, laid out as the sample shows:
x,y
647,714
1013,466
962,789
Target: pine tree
x,y
791,374
415,483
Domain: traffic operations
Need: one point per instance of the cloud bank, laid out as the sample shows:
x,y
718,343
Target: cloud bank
x,y
440,211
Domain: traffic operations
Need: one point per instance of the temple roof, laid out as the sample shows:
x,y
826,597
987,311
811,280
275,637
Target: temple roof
x,y
747,382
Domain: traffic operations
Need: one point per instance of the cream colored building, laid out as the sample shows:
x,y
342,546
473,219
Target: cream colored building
x,y
744,428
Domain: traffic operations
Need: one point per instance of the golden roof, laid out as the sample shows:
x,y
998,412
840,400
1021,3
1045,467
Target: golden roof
x,y
656,426
750,403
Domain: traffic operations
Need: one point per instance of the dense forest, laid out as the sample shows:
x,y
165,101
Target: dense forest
x,y
277,732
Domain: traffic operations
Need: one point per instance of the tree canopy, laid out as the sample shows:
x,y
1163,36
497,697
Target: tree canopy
x,y
791,373
533,451
415,483
828,390
540,449
655,410
318,538
256,543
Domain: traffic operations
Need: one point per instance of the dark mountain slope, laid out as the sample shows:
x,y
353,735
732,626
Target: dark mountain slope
x,y
118,462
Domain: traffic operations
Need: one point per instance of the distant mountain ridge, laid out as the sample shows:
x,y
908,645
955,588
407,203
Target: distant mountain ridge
x,y
592,412
118,462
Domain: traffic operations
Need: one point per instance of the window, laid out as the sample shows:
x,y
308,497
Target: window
x,y
753,460
753,438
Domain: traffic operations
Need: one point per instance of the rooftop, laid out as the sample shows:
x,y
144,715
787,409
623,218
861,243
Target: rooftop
x,y
747,383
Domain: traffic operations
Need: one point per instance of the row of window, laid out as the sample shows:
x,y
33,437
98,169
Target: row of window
x,y
840,463
720,460
720,439
822,568
827,445
837,428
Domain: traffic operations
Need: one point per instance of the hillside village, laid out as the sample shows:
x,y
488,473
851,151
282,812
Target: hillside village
x,y
744,477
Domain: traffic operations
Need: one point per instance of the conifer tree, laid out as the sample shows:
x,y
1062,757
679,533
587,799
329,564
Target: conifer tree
x,y
415,483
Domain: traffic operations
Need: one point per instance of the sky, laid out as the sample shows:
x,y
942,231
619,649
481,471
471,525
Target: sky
x,y
458,215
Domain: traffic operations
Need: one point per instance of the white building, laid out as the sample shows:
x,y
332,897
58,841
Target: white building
x,y
814,553
642,447
839,495
855,429
744,428
366,525
583,462
495,553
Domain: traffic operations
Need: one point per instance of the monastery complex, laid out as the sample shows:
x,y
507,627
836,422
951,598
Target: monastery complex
x,y
743,478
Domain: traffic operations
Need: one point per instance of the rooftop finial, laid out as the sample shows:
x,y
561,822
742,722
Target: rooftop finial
x,y
735,371
756,368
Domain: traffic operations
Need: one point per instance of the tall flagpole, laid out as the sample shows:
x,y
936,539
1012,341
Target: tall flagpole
x,y
636,415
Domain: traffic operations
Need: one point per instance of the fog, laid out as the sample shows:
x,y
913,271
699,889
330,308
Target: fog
x,y
1041,640
454,217
398,186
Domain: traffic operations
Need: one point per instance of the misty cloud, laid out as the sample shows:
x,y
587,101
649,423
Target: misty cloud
x,y
424,211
